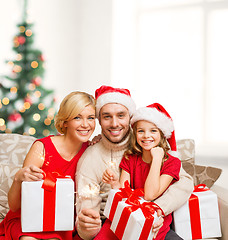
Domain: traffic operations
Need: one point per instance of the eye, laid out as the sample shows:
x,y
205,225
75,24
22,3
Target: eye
x,y
140,131
77,117
91,118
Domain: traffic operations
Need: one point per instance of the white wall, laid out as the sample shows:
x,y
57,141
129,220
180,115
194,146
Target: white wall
x,y
74,37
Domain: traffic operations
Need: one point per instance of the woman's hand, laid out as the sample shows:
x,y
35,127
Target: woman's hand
x,y
29,173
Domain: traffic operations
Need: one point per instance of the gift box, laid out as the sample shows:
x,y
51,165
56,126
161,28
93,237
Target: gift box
x,y
47,207
117,195
199,217
134,221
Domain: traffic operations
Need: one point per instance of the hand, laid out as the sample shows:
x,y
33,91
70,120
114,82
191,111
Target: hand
x,y
88,223
158,224
111,178
95,140
29,173
157,153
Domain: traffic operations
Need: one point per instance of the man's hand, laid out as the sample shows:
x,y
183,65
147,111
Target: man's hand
x,y
111,178
158,224
88,223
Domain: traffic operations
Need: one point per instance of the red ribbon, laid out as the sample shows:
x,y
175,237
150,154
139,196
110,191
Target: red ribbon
x,y
125,192
49,186
148,209
194,212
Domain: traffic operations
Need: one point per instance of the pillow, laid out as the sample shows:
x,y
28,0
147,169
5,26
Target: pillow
x,y
14,147
186,152
7,172
207,175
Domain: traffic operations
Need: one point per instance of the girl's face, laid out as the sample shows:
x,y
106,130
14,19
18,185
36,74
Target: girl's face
x,y
147,135
83,125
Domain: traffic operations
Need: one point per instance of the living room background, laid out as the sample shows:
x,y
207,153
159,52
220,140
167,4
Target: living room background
x,y
171,52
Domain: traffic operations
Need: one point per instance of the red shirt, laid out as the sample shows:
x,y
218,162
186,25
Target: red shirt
x,y
138,170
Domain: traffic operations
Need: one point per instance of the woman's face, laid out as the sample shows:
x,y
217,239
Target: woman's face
x,y
147,135
83,125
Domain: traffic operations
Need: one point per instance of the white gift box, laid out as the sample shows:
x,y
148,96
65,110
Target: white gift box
x,y
134,224
32,206
208,224
109,202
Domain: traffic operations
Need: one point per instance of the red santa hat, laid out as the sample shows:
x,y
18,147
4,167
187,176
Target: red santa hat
x,y
107,94
157,114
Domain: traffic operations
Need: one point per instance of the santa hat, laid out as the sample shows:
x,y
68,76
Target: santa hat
x,y
157,114
107,94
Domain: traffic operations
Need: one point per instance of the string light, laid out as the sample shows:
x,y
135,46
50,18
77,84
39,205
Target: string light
x,y
27,105
28,33
3,128
34,64
32,131
18,57
17,68
2,122
21,29
32,86
37,94
22,110
10,63
46,132
47,121
13,89
5,101
36,117
41,106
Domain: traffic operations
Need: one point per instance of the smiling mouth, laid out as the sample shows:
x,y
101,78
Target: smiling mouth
x,y
115,132
84,132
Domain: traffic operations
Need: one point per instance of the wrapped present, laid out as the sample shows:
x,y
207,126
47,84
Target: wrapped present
x,y
199,217
117,195
48,205
134,219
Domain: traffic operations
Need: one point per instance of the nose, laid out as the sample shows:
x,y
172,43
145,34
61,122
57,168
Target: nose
x,y
146,134
114,122
85,123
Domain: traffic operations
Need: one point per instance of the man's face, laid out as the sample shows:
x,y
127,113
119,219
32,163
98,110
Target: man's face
x,y
114,119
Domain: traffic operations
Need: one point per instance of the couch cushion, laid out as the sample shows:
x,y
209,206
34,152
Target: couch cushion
x,y
186,151
207,175
13,149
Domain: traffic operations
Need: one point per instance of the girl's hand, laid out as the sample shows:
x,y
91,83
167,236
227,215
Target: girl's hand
x,y
157,153
29,173
111,178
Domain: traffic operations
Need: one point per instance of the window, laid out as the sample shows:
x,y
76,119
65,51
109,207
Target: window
x,y
176,53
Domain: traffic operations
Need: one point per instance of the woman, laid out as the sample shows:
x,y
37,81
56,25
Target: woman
x,y
76,122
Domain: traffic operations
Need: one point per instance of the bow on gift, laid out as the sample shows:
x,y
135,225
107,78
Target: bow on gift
x,y
194,211
49,186
148,210
133,197
125,192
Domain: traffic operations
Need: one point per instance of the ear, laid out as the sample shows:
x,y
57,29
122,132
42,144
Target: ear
x,y
65,124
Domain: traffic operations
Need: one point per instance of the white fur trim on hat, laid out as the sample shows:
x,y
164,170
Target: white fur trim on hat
x,y
115,97
164,123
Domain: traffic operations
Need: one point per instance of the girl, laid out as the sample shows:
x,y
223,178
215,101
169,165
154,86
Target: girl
x,y
148,163
76,122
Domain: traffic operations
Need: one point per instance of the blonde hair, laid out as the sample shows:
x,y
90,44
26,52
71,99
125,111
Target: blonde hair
x,y
135,148
70,107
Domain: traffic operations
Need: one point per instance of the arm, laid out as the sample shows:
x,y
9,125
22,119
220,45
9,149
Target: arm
x,y
88,222
177,194
155,183
29,172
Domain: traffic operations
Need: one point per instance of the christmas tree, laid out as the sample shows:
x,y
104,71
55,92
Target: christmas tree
x,y
26,107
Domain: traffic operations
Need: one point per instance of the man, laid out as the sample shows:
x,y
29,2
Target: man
x,y
114,108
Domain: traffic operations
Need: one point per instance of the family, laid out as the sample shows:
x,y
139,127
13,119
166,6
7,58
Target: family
x,y
137,146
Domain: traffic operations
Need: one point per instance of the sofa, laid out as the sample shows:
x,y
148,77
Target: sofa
x,y
14,147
